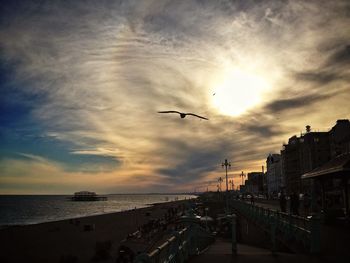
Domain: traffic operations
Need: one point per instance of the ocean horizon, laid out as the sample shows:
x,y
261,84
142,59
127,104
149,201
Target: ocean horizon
x,y
34,209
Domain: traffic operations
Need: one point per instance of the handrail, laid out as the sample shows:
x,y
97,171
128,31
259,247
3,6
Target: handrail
x,y
178,247
304,230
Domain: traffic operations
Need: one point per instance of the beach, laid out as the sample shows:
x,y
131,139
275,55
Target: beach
x,y
75,240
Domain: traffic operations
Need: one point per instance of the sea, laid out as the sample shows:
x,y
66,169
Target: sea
x,y
34,209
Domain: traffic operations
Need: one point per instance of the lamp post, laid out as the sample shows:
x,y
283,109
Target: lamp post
x,y
232,184
226,164
242,175
220,181
206,218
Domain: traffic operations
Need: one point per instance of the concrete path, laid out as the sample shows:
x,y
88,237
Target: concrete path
x,y
220,252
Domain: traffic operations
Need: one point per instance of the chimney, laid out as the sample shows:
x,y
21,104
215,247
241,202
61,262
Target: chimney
x,y
262,168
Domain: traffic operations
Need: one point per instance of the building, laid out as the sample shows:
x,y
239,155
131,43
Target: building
x,y
291,164
339,138
274,175
301,155
254,183
243,188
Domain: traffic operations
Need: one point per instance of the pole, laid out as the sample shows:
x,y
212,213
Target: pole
x,y
226,177
226,188
242,175
234,238
206,218
226,164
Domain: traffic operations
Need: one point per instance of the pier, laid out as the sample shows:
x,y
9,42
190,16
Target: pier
x,y
87,196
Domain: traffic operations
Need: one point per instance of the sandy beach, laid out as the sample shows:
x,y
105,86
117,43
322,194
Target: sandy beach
x,y
75,240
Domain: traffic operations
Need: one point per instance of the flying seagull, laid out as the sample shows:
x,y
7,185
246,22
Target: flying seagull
x,y
183,115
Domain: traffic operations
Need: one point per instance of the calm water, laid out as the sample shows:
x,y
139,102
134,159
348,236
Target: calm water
x,y
31,209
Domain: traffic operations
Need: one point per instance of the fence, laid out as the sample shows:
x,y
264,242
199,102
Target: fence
x,y
283,226
191,240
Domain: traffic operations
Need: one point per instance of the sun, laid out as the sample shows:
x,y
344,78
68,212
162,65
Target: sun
x,y
238,91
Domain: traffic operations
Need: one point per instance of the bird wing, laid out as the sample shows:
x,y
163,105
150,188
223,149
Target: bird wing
x,y
169,111
197,116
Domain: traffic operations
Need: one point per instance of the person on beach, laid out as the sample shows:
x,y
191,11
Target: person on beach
x,y
283,202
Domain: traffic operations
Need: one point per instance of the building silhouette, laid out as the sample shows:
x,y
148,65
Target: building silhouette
x,y
274,179
302,154
255,183
339,138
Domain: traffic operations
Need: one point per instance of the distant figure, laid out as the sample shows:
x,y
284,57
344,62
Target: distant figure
x,y
183,115
294,204
306,204
283,202
252,199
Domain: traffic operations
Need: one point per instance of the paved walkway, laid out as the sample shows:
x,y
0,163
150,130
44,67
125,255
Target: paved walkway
x,y
274,205
220,252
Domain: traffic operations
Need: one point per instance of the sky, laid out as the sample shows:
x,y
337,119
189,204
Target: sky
x,y
81,84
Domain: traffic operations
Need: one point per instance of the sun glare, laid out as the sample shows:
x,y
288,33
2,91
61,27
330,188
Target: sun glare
x,y
238,91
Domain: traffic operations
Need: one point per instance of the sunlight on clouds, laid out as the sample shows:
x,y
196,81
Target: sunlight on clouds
x,y
102,77
99,151
43,176
238,91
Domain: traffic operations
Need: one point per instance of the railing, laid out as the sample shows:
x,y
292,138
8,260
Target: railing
x,y
283,226
189,241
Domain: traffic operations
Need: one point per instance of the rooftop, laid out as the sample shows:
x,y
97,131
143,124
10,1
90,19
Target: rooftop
x,y
339,165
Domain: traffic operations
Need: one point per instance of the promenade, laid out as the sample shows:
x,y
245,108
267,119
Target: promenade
x,y
262,235
220,251
292,243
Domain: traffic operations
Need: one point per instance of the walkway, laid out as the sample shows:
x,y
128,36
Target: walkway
x,y
220,251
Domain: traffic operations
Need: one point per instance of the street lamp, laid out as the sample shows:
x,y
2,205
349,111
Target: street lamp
x,y
232,184
242,175
206,218
226,164
220,181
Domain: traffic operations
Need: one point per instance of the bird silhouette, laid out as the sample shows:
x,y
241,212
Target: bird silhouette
x,y
183,115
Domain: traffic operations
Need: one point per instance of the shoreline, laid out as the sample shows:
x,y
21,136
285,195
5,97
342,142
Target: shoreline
x,y
77,217
76,237
53,217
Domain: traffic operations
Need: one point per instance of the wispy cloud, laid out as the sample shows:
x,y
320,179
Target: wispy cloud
x,y
87,79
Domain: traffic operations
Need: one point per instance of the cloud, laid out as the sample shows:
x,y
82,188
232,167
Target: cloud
x,y
84,81
296,102
334,68
340,57
35,174
195,165
321,78
98,151
264,130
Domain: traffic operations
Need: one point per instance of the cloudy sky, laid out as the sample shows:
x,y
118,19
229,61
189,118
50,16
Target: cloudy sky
x,y
81,83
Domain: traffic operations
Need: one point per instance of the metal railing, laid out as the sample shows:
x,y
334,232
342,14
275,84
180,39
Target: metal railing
x,y
191,240
283,226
